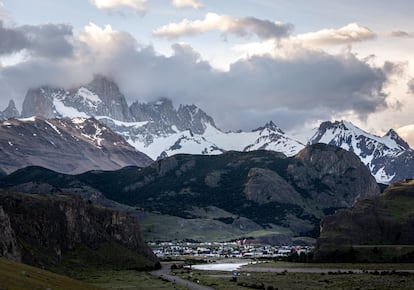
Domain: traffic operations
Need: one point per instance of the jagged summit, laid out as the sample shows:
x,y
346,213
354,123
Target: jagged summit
x,y
156,128
397,139
10,111
271,126
160,129
389,157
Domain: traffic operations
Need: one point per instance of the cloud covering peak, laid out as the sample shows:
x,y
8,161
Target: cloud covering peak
x,y
291,90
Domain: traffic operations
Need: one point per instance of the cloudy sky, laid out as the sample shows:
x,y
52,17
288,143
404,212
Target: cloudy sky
x,y
244,62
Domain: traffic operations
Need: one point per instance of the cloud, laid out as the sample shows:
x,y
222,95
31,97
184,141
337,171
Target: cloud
x,y
187,3
242,27
3,12
410,85
303,85
346,35
401,34
138,5
407,133
47,40
12,40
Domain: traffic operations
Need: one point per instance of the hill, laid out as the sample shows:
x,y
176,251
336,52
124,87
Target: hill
x,y
62,232
17,276
229,195
377,229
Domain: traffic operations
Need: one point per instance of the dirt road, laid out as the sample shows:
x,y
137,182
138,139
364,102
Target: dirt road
x,y
164,273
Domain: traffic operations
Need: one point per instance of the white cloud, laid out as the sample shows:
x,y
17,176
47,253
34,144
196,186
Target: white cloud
x,y
407,133
187,3
3,12
346,35
242,27
109,4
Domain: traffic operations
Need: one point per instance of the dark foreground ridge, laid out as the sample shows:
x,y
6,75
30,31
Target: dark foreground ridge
x,y
61,232
223,197
377,229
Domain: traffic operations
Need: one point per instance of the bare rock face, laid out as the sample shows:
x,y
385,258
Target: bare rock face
x,y
48,227
63,145
39,102
265,186
10,111
8,243
331,175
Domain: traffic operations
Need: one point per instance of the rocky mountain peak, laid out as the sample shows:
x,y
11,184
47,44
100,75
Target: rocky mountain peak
x,y
193,118
111,102
271,126
397,139
39,102
10,111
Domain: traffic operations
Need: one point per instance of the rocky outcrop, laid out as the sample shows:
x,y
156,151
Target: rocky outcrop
x,y
374,229
63,145
264,186
8,242
331,176
47,229
39,102
10,111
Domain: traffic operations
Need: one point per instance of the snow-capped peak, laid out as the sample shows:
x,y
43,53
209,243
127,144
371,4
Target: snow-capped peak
x,y
374,151
270,127
393,135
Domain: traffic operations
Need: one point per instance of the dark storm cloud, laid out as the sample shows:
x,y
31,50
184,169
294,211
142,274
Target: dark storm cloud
x,y
47,40
289,90
11,40
311,84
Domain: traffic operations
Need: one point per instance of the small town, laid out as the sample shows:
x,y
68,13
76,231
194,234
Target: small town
x,y
235,249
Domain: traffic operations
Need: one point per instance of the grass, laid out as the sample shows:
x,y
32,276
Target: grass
x,y
126,279
361,266
301,281
165,227
16,276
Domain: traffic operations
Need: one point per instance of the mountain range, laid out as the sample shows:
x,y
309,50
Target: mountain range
x,y
65,145
222,197
158,129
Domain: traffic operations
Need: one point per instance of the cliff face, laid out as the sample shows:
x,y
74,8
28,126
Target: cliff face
x,y
371,228
45,230
331,176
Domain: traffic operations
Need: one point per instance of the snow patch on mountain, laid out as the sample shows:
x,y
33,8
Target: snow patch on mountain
x,y
61,110
379,154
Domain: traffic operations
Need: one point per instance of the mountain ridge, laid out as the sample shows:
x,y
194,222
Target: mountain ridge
x,y
250,191
158,129
64,145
